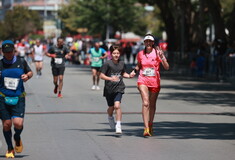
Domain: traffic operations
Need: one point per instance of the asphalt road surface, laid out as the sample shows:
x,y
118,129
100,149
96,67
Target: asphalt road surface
x,y
194,121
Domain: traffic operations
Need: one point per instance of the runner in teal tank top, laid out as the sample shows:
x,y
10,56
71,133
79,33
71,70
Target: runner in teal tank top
x,y
97,54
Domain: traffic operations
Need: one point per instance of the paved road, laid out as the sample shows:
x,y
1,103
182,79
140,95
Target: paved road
x,y
195,120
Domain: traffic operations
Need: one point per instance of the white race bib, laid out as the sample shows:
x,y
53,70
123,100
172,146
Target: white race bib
x,y
58,60
11,83
149,72
116,75
95,59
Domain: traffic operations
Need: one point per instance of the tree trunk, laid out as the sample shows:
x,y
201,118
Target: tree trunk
x,y
169,23
231,26
215,11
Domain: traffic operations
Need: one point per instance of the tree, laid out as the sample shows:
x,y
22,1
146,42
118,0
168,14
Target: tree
x,y
216,14
98,15
228,15
19,22
231,25
167,14
192,18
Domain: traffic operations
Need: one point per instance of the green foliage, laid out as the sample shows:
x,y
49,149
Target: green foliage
x,y
19,22
96,15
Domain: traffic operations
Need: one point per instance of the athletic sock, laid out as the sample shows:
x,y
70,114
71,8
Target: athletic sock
x,y
8,136
17,134
118,123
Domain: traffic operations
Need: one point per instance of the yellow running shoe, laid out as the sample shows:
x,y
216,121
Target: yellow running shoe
x,y
18,147
151,128
10,154
146,132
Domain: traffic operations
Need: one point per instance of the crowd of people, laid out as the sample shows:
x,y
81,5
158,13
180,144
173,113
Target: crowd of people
x,y
107,61
15,71
216,59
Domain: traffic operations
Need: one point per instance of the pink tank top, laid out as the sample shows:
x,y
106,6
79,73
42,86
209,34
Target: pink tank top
x,y
150,66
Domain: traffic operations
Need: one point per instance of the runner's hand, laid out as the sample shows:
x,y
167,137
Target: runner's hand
x,y
115,78
160,52
132,74
24,77
67,56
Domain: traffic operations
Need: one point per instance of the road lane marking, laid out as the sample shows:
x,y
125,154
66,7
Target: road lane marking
x,y
168,113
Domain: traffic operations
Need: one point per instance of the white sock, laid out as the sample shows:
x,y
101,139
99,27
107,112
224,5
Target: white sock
x,y
118,123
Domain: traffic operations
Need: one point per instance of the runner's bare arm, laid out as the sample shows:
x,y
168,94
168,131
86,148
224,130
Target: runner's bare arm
x,y
136,69
51,55
104,56
126,75
163,58
68,55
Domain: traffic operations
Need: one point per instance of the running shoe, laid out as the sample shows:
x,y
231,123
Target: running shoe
x,y
151,128
146,132
60,95
111,122
10,154
97,88
93,87
18,146
56,89
118,129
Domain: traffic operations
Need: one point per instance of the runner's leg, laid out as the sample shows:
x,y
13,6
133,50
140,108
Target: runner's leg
x,y
97,78
94,72
61,77
18,126
145,103
152,105
7,133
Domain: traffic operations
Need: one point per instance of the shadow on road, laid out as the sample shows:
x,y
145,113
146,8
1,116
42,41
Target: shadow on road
x,y
16,156
188,130
224,99
176,130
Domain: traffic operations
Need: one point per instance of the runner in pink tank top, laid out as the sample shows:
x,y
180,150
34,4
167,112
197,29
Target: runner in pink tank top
x,y
149,72
149,61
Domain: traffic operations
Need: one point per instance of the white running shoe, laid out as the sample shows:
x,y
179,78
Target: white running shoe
x,y
118,129
93,87
111,122
97,88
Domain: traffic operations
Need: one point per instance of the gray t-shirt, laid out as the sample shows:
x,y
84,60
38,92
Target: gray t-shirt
x,y
111,69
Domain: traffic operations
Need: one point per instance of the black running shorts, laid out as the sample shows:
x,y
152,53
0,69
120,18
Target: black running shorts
x,y
58,71
113,98
8,112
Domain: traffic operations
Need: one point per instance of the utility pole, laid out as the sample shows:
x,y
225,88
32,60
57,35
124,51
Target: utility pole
x,y
45,9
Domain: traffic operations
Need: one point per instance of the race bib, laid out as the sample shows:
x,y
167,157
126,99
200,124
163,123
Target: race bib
x,y
58,60
22,53
95,59
11,83
149,72
116,75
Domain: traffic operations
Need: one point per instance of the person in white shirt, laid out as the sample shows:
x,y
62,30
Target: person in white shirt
x,y
38,54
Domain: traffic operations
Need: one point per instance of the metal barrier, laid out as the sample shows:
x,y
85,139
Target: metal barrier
x,y
180,64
